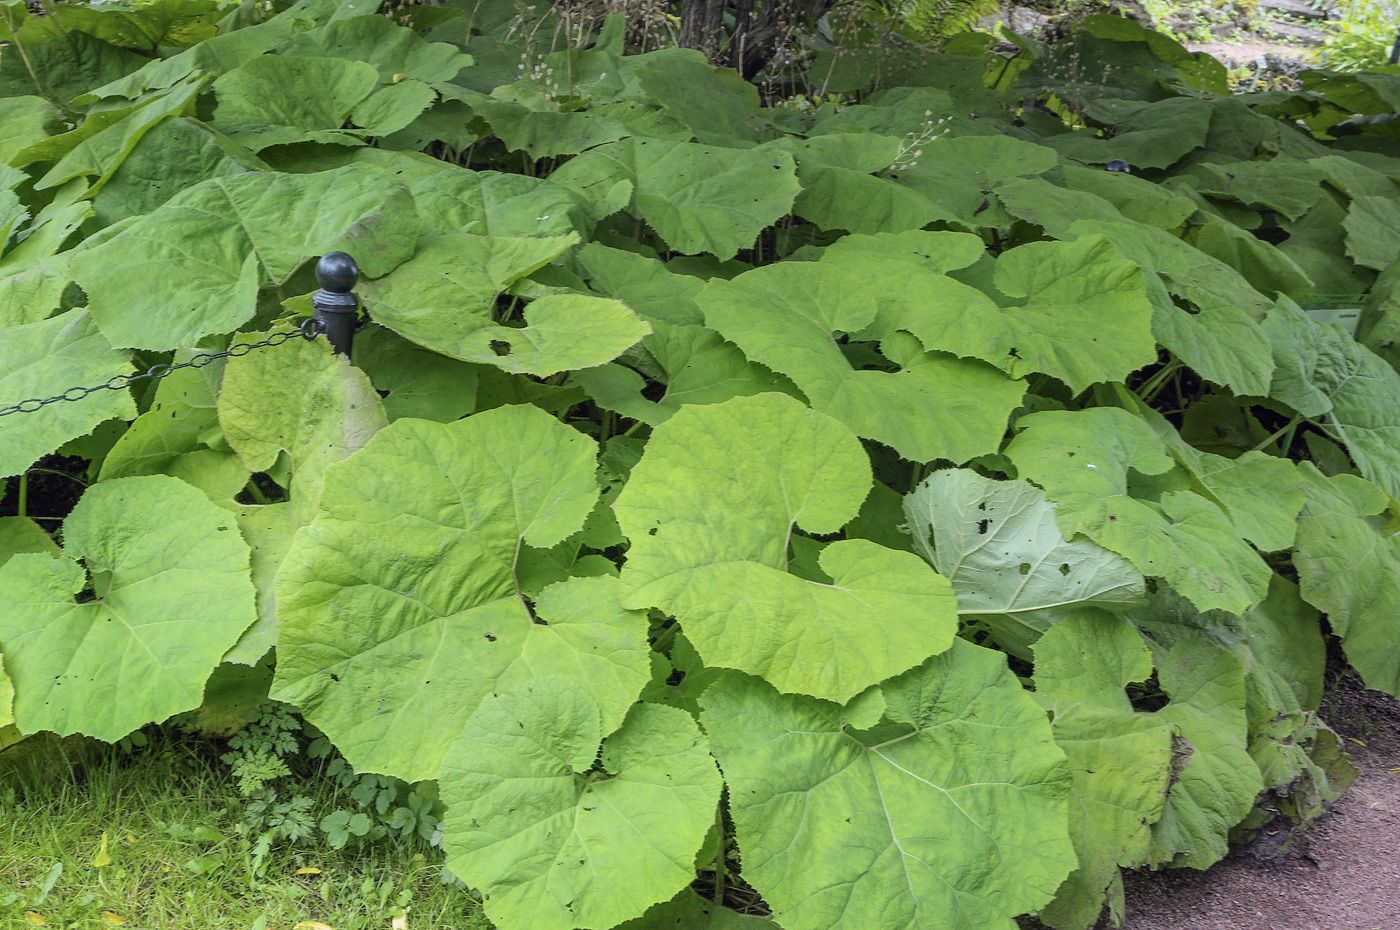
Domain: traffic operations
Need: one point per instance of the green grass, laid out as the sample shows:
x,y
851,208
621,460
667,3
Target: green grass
x,y
178,857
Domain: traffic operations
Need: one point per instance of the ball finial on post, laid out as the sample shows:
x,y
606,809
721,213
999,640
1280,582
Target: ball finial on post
x,y
336,308
337,272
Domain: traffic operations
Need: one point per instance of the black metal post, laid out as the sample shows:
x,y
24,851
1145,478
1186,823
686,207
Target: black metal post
x,y
337,311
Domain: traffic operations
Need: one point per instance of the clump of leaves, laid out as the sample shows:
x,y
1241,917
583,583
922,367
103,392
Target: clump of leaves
x,y
709,474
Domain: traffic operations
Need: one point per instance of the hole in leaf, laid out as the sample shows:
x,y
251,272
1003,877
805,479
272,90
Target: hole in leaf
x,y
982,527
491,637
1024,568
500,346
1064,568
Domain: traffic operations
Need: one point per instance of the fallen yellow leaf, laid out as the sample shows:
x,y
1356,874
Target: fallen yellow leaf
x,y
102,858
312,925
400,921
308,870
1353,739
112,920
34,918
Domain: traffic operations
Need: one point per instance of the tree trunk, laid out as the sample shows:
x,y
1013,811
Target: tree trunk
x,y
701,24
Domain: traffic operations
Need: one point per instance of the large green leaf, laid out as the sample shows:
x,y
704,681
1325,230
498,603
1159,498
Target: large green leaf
x,y
559,833
64,67
1137,199
948,813
683,83
102,153
1289,187
33,274
417,382
394,51
1268,269
1056,208
444,298
710,510
169,594
445,295
999,545
540,130
697,366
1219,337
1261,494
1279,644
302,405
42,360
273,100
839,190
698,198
959,174
17,535
1371,229
1120,761
26,120
419,572
20,535
194,265
1074,310
175,154
1082,459
1085,316
562,332
1325,374
1217,787
785,317
1349,567
299,400
644,284
393,108
1146,135
268,529
217,54
148,28
486,203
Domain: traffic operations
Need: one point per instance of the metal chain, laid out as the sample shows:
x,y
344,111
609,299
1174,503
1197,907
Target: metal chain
x,y
309,329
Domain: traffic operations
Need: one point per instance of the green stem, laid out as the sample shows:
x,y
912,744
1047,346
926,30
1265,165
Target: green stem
x,y
54,471
23,508
1154,385
257,493
916,474
1288,427
719,858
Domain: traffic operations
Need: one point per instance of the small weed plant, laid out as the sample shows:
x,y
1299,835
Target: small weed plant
x,y
299,790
